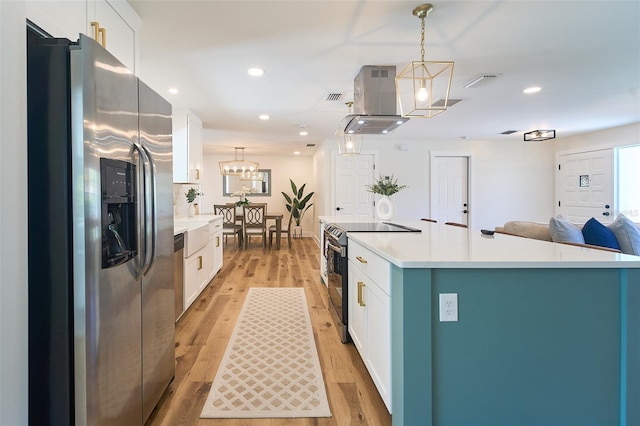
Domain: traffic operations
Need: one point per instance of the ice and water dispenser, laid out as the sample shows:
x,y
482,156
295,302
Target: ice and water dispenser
x,y
119,233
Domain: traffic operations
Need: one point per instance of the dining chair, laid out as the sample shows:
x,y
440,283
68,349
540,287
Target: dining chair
x,y
273,229
254,222
459,225
229,224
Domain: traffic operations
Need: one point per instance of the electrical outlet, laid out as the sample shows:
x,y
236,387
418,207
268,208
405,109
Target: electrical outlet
x,y
448,307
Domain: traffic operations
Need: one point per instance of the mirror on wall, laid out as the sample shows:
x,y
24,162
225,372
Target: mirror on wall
x,y
232,184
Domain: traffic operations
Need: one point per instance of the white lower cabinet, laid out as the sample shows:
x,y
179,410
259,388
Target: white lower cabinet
x,y
215,246
201,266
323,260
370,314
196,272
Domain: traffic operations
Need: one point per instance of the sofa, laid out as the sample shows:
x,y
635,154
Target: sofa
x,y
622,235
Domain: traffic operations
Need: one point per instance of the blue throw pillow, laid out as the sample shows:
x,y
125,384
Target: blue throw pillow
x,y
627,233
597,234
563,231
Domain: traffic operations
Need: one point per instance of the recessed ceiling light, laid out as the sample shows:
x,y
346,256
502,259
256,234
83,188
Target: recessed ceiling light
x,y
173,90
296,153
303,133
264,117
255,72
534,89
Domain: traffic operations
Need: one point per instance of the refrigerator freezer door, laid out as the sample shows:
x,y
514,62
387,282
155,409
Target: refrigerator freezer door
x,y
107,311
158,326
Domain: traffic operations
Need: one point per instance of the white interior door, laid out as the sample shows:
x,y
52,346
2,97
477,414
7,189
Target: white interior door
x,y
450,188
585,186
353,173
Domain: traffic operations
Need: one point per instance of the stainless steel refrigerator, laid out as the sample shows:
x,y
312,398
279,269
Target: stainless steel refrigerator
x,y
101,298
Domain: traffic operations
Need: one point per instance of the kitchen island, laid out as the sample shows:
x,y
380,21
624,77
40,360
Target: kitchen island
x,y
546,333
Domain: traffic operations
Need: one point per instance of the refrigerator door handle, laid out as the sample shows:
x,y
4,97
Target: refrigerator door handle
x,y
149,208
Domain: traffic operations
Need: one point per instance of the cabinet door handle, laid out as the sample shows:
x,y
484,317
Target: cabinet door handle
x,y
197,173
360,297
199,262
96,26
99,34
103,36
217,241
361,260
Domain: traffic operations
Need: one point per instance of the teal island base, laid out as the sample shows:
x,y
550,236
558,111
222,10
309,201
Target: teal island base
x,y
531,347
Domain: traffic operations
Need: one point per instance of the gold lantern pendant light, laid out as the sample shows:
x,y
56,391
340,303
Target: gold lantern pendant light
x,y
349,143
239,165
423,86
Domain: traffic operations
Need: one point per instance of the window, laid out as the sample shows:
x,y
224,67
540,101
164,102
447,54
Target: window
x,y
627,179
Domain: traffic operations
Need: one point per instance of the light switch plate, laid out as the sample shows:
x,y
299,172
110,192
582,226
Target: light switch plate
x,y
448,307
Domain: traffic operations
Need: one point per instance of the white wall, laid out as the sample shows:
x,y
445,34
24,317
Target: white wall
x,y
13,215
509,180
298,168
610,138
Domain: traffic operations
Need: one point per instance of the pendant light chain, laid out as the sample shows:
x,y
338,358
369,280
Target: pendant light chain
x,y
422,38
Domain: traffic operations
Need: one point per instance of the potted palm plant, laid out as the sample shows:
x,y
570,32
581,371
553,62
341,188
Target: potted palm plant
x,y
297,205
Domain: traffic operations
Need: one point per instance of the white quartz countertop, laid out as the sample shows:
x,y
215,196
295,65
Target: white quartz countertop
x,y
443,246
184,223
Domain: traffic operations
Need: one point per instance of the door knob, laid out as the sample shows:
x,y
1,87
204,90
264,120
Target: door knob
x,y
605,214
606,206
465,211
337,208
465,204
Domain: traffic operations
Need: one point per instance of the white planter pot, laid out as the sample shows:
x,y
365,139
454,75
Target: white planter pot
x,y
191,210
385,208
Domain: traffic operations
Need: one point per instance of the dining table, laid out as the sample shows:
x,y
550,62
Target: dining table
x,y
271,216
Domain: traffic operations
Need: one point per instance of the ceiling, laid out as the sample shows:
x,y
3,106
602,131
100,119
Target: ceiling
x,y
584,55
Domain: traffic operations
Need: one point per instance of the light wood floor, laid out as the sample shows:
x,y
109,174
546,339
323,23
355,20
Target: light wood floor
x,y
204,330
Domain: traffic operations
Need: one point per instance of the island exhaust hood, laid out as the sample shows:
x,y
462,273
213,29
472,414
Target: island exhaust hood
x,y
374,102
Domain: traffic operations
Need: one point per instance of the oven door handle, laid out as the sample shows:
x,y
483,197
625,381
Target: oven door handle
x,y
334,247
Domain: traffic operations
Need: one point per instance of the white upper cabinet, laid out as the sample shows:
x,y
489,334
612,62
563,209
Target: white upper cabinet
x,y
116,24
64,19
187,147
118,29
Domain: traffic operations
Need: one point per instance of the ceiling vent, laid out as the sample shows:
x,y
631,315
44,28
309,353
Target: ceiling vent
x,y
334,97
481,80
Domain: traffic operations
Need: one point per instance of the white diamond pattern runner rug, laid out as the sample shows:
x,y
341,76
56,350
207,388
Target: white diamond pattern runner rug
x,y
270,368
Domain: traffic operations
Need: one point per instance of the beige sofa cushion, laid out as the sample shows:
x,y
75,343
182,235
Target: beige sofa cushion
x,y
538,231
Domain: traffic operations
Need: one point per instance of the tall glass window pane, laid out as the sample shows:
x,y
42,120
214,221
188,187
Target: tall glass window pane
x,y
629,182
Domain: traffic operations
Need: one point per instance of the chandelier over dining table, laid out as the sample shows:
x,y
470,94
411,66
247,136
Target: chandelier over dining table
x,y
239,166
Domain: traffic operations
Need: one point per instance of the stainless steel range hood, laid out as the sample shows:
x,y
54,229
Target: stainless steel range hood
x,y
374,102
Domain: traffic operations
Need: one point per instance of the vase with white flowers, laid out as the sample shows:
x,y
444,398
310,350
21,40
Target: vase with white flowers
x,y
191,195
385,186
242,196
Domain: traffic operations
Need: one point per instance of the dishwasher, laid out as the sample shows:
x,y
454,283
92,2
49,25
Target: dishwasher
x,y
178,269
